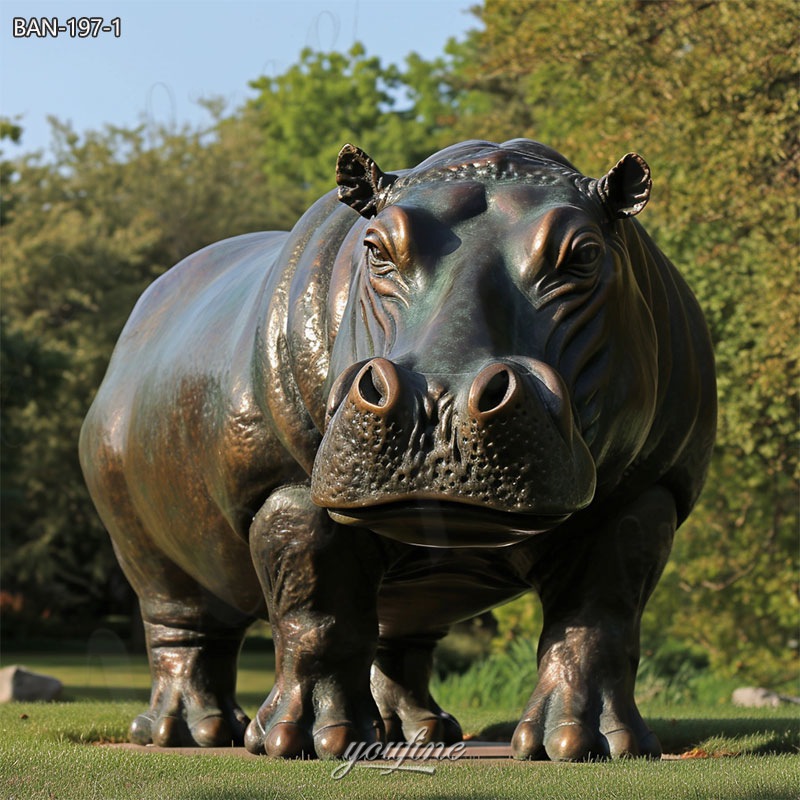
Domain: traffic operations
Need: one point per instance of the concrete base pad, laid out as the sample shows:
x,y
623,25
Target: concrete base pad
x,y
471,750
475,751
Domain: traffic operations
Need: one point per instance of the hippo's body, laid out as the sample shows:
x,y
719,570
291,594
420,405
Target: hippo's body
x,y
487,380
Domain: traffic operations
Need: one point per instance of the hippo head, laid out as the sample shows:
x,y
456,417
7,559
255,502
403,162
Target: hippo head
x,y
494,352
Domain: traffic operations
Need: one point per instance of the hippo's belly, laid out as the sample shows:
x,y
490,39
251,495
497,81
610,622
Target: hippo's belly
x,y
428,588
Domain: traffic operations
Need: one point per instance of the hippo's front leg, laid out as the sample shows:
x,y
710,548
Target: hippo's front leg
x,y
594,587
321,583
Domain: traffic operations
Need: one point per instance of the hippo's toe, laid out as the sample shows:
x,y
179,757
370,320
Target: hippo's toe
x,y
141,730
624,742
284,740
332,741
572,741
216,731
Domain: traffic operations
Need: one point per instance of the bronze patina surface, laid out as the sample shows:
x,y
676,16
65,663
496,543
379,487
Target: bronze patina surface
x,y
442,389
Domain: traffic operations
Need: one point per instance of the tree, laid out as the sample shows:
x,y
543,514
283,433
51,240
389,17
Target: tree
x,y
11,131
328,99
707,91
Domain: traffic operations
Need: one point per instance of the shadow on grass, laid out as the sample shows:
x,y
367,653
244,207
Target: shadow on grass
x,y
106,694
708,737
729,736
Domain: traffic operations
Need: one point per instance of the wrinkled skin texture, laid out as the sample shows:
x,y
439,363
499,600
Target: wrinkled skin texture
x,y
442,389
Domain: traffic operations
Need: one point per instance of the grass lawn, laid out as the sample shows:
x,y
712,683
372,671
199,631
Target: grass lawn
x,y
52,751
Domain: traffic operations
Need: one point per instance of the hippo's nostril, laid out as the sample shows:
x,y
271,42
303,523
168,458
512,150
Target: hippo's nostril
x,y
371,389
494,392
491,390
377,386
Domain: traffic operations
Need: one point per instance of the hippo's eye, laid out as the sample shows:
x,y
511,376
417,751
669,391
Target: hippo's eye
x,y
383,274
379,264
378,259
584,252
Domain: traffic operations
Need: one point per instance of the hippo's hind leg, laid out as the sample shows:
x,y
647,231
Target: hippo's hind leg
x,y
193,639
321,583
400,677
193,645
424,592
594,586
193,642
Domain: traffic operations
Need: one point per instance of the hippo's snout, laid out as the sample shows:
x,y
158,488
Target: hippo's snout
x,y
469,459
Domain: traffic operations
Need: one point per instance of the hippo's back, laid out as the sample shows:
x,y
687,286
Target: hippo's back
x,y
197,311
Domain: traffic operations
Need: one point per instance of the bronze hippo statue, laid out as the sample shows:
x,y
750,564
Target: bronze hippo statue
x,y
442,389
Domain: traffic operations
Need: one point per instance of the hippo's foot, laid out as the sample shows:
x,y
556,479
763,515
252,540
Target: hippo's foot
x,y
400,676
314,718
583,706
192,703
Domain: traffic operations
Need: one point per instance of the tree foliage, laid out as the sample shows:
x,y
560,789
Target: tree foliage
x,y
707,91
328,99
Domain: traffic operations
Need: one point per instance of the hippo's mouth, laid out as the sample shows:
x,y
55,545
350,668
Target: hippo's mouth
x,y
484,464
447,524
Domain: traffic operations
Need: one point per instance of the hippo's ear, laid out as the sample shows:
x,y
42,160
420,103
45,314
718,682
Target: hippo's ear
x,y
361,182
625,189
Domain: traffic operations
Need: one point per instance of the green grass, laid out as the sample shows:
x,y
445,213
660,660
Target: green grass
x,y
51,751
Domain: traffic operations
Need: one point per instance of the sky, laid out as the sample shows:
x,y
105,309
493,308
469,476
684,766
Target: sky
x,y
170,53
